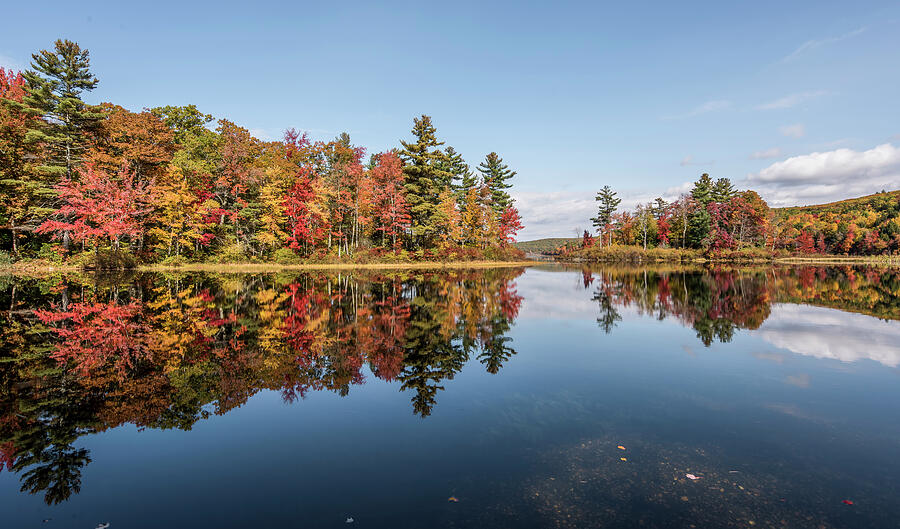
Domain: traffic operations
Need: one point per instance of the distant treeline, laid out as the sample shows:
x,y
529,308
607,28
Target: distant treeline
x,y
715,218
170,184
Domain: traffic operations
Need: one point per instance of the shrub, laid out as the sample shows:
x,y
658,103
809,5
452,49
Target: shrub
x,y
503,253
231,253
106,260
286,256
174,260
5,258
51,252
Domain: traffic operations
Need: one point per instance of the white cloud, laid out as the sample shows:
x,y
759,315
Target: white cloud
x,y
818,43
827,333
676,191
709,106
554,214
827,176
791,100
567,213
774,152
793,131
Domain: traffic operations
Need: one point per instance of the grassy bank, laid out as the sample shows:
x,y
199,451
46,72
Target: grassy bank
x,y
636,254
275,267
39,268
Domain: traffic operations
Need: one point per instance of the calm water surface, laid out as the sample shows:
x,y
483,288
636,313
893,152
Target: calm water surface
x,y
307,400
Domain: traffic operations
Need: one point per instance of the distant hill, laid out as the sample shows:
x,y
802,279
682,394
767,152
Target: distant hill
x,y
875,201
545,245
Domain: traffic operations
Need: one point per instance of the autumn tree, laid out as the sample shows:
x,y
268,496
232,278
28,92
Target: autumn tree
x,y
139,141
98,206
510,224
390,210
178,214
474,217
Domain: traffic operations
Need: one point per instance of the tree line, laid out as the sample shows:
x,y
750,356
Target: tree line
x,y
715,217
172,183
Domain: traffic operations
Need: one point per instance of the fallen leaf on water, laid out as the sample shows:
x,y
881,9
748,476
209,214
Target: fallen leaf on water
x,y
623,459
620,447
349,520
848,502
453,499
691,476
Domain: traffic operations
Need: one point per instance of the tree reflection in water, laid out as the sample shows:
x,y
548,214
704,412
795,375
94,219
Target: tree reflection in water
x,y
716,302
80,357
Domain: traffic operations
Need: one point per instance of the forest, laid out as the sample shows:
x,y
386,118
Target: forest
x,y
716,219
102,186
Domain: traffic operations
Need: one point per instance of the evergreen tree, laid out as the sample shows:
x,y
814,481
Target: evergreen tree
x,y
23,192
608,204
495,175
425,179
702,191
463,179
699,220
54,88
659,207
723,190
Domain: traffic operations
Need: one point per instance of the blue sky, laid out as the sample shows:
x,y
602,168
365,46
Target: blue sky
x,y
796,99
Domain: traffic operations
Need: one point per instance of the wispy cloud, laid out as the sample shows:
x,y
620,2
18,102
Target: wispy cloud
x,y
796,130
827,176
705,108
9,63
689,160
791,100
774,152
818,43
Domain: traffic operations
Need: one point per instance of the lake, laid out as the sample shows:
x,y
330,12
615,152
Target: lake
x,y
552,396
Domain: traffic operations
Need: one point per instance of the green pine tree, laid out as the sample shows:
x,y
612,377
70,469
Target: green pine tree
x,y
463,179
495,175
702,191
54,88
608,203
426,177
723,190
659,207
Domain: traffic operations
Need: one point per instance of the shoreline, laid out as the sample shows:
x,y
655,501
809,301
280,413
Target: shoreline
x,y
825,259
47,269
36,269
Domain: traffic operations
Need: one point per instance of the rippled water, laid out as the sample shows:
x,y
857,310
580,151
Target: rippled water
x,y
307,400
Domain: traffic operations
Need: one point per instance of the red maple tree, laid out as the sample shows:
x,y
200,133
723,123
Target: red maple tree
x,y
98,206
391,211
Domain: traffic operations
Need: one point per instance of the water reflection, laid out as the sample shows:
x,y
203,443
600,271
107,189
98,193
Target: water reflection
x,y
165,352
83,355
717,302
